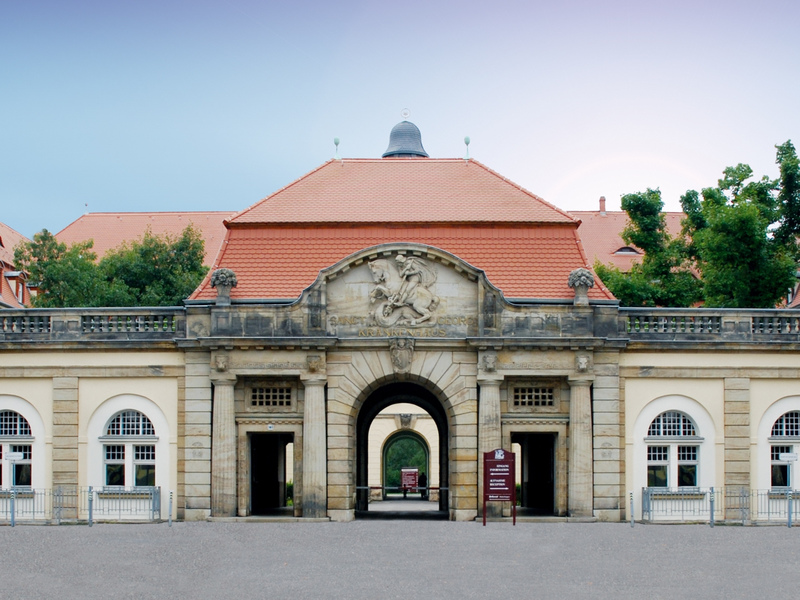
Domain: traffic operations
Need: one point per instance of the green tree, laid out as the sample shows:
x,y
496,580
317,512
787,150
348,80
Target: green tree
x,y
157,270
64,276
740,238
742,234
404,452
664,276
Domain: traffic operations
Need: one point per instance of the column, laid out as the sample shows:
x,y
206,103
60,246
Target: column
x,y
489,434
580,449
223,448
315,457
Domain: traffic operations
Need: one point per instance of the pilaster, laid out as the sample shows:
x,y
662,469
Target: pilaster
x,y
315,463
580,503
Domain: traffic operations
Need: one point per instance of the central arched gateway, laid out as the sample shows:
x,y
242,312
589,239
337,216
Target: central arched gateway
x,y
394,393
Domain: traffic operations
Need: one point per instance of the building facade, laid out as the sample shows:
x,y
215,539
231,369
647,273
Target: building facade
x,y
373,284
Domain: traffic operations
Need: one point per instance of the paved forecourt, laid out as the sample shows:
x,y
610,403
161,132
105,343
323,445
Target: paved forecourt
x,y
397,559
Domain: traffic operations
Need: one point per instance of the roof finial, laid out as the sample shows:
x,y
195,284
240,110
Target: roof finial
x,y
466,141
336,143
405,113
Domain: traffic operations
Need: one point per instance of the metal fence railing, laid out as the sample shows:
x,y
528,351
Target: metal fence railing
x,y
71,504
732,504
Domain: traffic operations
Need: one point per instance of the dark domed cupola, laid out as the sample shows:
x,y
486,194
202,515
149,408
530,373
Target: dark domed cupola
x,y
405,141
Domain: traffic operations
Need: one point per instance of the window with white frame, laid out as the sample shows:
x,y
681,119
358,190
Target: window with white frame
x,y
785,429
16,450
129,450
672,457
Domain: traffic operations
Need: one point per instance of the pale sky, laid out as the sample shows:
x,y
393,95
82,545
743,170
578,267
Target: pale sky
x,y
165,105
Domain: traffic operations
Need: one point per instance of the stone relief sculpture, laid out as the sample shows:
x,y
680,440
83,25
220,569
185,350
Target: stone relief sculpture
x,y
402,353
403,290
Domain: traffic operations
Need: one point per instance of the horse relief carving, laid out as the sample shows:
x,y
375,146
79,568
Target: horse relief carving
x,y
403,291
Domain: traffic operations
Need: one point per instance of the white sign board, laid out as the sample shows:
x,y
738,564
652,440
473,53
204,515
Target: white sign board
x,y
788,456
13,456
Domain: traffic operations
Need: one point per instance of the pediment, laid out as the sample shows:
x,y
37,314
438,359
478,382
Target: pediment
x,y
403,290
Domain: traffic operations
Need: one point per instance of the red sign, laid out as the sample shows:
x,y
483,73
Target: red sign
x,y
409,478
499,480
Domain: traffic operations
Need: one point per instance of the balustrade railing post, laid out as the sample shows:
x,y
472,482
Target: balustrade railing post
x,y
632,516
711,498
13,508
169,519
91,505
789,502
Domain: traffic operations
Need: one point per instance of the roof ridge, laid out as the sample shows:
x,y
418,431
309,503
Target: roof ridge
x,y
278,191
522,189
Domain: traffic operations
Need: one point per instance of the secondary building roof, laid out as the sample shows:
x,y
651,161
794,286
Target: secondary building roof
x,y
601,235
109,230
11,282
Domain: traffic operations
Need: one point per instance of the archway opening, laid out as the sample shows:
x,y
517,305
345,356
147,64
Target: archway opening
x,y
373,447
405,467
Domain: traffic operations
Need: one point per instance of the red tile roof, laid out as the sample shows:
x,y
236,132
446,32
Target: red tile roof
x,y
9,238
402,190
526,246
524,262
601,234
109,230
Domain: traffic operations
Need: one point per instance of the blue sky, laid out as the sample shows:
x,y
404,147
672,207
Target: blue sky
x,y
167,105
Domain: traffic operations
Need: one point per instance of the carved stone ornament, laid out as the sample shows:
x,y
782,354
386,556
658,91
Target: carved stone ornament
x,y
490,361
224,280
402,352
405,421
221,363
223,277
316,364
403,291
581,280
582,362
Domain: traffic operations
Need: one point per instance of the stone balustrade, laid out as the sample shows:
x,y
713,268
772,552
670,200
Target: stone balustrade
x,y
709,325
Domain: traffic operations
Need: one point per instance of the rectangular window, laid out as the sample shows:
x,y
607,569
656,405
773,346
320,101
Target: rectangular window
x,y
780,469
533,396
687,466
144,467
115,465
271,397
21,474
657,466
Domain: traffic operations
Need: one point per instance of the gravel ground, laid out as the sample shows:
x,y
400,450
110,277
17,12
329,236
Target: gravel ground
x,y
397,559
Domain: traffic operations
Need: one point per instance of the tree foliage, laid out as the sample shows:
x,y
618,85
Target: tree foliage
x,y
664,276
156,270
739,238
404,452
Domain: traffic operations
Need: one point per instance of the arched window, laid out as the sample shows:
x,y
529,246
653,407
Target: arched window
x,y
129,450
672,458
15,449
786,429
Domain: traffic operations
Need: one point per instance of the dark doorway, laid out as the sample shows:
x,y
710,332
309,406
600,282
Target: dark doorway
x,y
269,480
394,393
537,485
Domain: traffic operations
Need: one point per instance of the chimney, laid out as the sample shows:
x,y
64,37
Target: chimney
x,y
603,205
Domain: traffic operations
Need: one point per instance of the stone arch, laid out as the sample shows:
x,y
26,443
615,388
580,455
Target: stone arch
x,y
707,432
445,382
39,433
771,414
